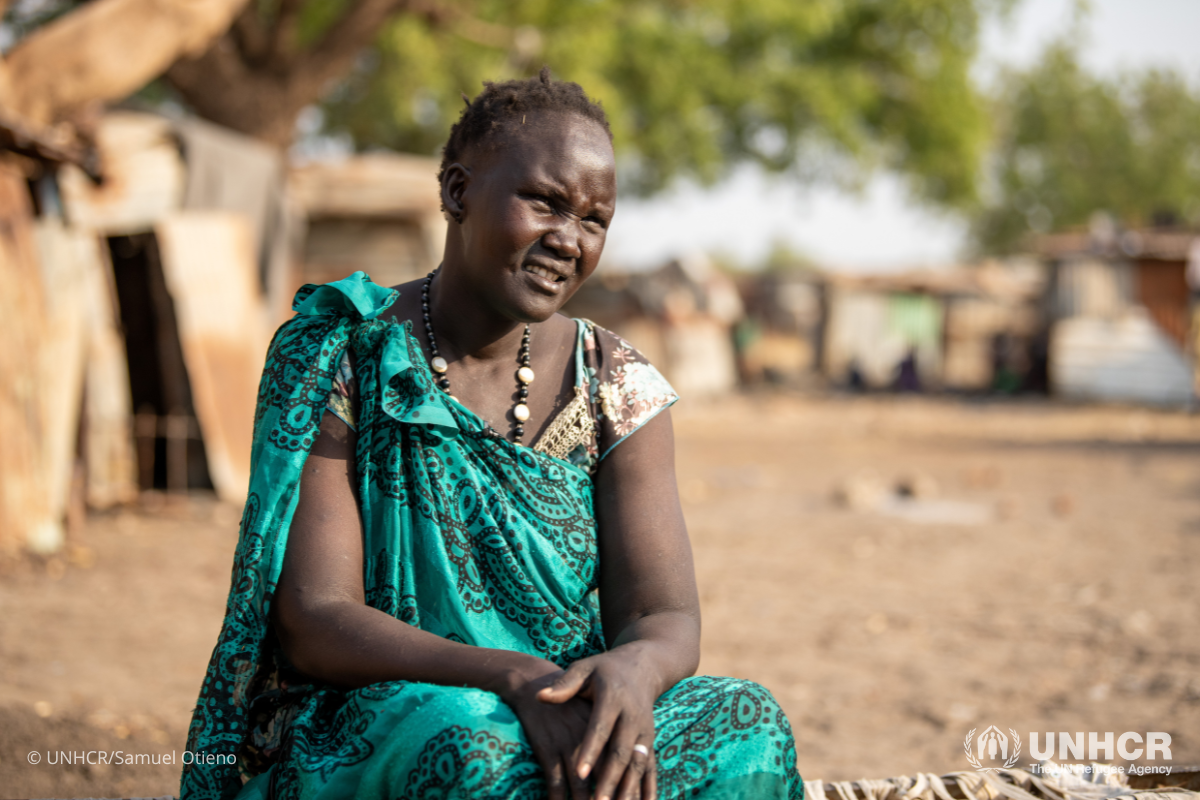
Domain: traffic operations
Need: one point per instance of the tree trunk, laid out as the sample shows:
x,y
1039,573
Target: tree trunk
x,y
256,81
107,50
223,89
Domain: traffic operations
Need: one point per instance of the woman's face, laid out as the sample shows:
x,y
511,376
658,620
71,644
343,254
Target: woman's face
x,y
535,212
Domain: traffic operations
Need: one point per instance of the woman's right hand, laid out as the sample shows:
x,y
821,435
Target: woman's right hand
x,y
555,732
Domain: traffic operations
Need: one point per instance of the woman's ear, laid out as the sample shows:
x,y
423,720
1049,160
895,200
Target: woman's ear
x,y
454,186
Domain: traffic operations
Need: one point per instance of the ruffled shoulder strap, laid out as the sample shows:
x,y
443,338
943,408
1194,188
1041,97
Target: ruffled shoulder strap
x,y
627,391
353,296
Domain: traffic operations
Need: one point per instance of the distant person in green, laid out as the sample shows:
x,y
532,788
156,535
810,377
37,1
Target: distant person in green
x,y
463,571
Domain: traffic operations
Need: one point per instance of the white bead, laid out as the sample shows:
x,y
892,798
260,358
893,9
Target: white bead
x,y
525,375
439,364
521,412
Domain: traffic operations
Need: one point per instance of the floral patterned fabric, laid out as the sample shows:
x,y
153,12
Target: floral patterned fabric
x,y
465,535
623,392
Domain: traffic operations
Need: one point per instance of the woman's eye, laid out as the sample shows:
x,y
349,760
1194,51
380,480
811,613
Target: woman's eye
x,y
541,203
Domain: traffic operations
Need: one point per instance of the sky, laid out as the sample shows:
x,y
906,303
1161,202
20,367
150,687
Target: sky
x,y
881,229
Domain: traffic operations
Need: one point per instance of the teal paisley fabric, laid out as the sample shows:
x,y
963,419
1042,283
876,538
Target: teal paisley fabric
x,y
465,535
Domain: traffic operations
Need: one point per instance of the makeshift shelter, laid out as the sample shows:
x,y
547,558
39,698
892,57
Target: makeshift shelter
x,y
780,338
379,213
1121,314
144,282
63,386
681,316
949,324
193,223
137,280
875,322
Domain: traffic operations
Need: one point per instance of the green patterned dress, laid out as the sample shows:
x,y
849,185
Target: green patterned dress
x,y
466,535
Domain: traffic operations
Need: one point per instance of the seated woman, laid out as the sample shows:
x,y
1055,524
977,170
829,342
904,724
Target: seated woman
x,y
463,570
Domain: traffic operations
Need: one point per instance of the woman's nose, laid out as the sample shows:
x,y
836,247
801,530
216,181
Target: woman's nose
x,y
565,239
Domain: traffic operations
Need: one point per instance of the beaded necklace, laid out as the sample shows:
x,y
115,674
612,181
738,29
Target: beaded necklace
x,y
439,366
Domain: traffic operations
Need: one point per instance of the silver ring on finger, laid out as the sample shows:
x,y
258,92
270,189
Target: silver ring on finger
x,y
641,748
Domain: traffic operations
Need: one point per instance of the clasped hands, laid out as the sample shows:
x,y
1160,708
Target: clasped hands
x,y
595,719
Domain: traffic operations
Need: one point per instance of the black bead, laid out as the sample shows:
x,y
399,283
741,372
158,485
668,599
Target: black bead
x,y
444,383
523,393
519,431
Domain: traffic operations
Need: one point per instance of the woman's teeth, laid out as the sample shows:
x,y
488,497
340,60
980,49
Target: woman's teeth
x,y
545,273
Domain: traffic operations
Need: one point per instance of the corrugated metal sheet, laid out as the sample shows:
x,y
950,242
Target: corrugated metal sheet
x,y
376,185
1089,287
109,448
67,266
1126,358
209,262
972,325
25,513
390,251
145,177
1155,243
1162,288
700,358
380,213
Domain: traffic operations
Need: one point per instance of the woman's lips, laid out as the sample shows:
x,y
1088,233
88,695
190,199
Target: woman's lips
x,y
544,278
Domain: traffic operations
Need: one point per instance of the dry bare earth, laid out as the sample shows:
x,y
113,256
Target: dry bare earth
x,y
887,641
1073,607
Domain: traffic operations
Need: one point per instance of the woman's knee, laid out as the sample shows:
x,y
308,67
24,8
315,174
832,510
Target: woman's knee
x,y
464,743
731,707
752,708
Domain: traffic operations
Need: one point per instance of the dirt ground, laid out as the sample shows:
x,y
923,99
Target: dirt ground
x,y
1039,573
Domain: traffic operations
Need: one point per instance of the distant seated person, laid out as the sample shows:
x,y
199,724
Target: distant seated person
x,y
463,570
908,379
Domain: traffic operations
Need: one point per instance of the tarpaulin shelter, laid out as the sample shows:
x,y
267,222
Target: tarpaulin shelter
x,y
1124,315
949,321
142,299
680,315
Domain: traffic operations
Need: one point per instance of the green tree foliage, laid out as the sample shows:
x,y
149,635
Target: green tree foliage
x,y
1070,144
824,88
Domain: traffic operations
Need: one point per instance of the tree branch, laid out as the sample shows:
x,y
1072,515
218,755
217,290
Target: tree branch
x,y
250,35
262,96
106,50
286,29
334,55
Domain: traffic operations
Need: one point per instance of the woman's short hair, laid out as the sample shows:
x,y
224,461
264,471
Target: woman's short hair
x,y
503,106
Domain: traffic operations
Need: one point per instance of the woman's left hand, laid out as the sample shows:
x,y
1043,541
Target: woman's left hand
x,y
623,685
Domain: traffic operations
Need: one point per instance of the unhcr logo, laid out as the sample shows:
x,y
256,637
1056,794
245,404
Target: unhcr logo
x,y
993,749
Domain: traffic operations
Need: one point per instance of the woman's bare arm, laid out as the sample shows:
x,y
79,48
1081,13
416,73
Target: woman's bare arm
x,y
650,608
647,578
320,613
